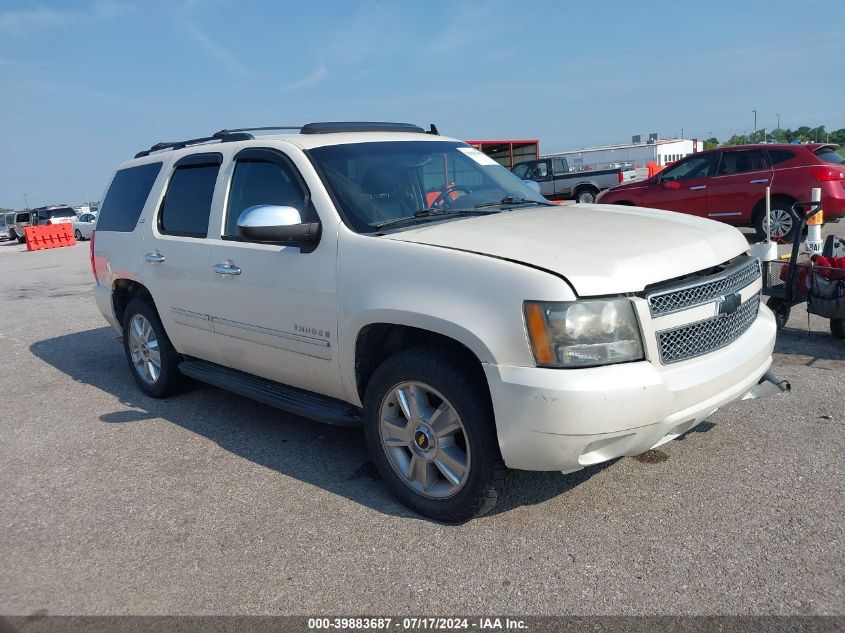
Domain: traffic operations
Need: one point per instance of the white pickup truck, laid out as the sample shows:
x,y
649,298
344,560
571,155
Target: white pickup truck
x,y
381,276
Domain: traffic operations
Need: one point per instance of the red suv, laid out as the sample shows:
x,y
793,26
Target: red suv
x,y
729,184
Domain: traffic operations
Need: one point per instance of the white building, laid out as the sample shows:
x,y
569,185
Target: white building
x,y
639,155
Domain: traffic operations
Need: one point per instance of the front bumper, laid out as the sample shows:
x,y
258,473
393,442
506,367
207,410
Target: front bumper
x,y
555,419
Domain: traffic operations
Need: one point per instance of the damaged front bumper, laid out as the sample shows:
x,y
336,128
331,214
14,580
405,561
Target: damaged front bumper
x,y
769,385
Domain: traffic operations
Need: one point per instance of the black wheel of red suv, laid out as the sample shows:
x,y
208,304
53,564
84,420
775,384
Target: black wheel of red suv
x,y
151,357
431,433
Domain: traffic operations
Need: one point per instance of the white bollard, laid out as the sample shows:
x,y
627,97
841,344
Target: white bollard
x,y
814,244
766,251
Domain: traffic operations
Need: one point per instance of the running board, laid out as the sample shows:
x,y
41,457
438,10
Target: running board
x,y
297,401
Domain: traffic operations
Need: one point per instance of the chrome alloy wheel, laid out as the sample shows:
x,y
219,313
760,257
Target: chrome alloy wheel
x,y
424,440
144,350
782,222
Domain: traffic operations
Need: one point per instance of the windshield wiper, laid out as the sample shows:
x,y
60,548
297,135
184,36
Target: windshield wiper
x,y
430,213
507,200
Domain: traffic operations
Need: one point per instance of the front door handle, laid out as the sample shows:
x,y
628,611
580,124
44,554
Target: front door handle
x,y
154,258
226,268
759,181
697,187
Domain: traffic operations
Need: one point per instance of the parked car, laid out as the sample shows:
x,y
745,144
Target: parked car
x,y
557,182
4,231
84,225
729,184
57,214
17,221
469,335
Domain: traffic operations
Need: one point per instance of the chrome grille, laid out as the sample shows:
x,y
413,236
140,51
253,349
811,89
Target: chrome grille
x,y
708,289
702,337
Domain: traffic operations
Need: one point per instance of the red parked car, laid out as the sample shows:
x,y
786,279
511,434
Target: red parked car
x,y
729,184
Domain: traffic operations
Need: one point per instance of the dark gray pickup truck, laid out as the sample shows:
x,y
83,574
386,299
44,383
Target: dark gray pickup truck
x,y
557,182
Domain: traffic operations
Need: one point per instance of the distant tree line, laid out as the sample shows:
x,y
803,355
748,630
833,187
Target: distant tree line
x,y
803,134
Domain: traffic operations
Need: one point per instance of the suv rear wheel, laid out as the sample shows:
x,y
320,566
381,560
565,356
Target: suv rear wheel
x,y
784,222
431,433
151,357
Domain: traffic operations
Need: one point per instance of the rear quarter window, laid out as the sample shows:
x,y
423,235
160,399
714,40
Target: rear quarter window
x,y
126,197
830,156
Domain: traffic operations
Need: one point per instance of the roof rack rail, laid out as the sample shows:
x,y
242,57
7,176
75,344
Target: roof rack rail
x,y
224,136
258,129
243,133
359,126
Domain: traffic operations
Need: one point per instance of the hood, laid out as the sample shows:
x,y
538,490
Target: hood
x,y
599,249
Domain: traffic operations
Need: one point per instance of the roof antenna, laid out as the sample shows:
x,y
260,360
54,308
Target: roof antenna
x,y
433,130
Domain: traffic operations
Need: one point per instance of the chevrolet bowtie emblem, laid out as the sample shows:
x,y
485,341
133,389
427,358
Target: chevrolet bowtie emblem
x,y
728,304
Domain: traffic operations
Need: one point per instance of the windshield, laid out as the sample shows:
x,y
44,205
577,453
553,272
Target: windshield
x,y
829,155
62,213
376,183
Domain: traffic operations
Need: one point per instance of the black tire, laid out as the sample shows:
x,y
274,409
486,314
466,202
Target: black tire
x,y
782,205
837,328
781,310
78,235
586,195
21,239
467,391
170,380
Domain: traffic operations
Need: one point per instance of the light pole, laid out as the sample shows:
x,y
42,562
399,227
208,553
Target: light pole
x,y
26,200
778,116
755,122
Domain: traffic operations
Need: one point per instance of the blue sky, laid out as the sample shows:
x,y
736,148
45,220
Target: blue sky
x,y
85,84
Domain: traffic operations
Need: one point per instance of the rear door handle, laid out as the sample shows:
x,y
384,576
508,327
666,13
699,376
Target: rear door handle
x,y
226,268
154,258
697,187
759,181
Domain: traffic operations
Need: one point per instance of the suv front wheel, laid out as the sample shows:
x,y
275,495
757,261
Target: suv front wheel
x,y
151,357
430,430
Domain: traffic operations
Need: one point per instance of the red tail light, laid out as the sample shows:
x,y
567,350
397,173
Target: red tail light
x,y
826,174
619,177
93,266
49,222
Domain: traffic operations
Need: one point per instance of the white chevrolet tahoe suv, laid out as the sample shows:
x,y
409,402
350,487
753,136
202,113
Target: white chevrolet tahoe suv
x,y
378,275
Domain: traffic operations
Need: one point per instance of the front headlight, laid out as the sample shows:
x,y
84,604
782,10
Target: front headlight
x,y
583,333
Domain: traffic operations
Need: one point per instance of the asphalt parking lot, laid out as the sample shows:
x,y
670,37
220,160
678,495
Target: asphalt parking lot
x,y
207,503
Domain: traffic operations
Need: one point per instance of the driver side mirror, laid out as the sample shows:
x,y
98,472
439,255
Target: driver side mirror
x,y
276,224
671,184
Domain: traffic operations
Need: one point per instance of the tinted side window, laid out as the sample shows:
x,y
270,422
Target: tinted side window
x,y
187,203
742,160
780,155
126,197
261,182
830,156
693,167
